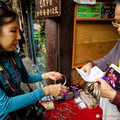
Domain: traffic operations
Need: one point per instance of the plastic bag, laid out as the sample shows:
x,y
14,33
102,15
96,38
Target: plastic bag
x,y
85,1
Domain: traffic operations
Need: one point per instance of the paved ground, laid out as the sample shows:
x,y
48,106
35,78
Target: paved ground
x,y
28,62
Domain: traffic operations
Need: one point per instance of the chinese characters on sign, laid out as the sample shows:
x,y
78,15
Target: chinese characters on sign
x,y
47,8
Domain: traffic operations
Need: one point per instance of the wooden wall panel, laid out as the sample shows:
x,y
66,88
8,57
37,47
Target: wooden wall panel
x,y
93,40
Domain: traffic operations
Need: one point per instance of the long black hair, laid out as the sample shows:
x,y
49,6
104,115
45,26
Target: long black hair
x,y
7,13
4,5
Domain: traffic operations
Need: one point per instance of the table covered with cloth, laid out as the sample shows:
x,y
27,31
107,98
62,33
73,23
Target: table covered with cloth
x,y
69,110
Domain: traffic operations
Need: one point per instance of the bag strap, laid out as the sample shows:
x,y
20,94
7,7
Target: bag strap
x,y
6,76
30,89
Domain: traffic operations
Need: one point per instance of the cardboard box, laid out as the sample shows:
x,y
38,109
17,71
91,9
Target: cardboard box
x,y
88,15
97,5
89,10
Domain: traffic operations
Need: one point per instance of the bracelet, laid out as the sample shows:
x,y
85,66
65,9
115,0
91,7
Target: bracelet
x,y
93,90
64,81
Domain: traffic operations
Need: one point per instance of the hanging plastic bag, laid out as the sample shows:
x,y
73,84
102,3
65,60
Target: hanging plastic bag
x,y
85,1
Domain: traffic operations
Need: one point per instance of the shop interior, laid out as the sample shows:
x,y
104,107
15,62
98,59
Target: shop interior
x,y
80,34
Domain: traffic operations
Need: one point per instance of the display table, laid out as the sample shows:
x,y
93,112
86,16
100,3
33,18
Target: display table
x,y
69,110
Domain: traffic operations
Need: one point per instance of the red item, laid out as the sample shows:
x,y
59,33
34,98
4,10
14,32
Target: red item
x,y
69,110
95,16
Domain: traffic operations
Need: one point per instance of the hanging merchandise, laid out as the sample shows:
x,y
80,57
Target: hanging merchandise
x,y
85,1
91,94
16,6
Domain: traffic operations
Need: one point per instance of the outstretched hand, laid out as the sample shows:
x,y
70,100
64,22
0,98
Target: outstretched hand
x,y
52,75
86,68
106,90
55,90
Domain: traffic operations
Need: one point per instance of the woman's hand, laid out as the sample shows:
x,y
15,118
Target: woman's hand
x,y
106,90
52,75
86,68
54,90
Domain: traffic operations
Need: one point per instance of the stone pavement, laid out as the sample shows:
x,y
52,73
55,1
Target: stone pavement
x,y
28,62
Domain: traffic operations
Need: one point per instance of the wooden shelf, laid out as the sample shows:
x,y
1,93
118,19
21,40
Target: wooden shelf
x,y
94,19
90,37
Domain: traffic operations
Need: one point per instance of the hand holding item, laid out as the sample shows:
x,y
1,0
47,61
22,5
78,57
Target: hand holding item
x,y
52,75
55,90
106,90
86,68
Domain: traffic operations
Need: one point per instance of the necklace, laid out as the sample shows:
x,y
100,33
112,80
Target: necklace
x,y
6,75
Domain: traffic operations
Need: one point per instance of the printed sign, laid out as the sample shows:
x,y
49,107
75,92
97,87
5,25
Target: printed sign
x,y
47,8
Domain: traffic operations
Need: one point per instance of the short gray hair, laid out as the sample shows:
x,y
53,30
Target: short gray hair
x,y
116,1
